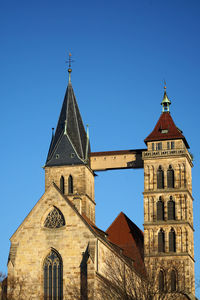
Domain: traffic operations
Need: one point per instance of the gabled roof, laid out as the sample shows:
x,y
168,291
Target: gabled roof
x,y
69,144
125,234
165,129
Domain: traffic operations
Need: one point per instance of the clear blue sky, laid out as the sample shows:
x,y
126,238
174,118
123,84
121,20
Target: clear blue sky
x,y
123,50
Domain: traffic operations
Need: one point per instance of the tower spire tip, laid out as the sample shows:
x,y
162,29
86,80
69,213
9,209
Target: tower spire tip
x,y
165,102
69,62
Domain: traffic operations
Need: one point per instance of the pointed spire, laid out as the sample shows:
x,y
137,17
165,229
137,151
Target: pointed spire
x,y
70,143
165,102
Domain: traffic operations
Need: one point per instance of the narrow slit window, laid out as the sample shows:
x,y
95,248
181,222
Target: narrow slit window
x,y
171,209
172,241
70,185
173,281
161,281
161,241
62,184
170,177
160,178
160,210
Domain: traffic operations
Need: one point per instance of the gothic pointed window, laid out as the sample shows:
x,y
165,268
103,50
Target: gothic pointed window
x,y
52,272
170,177
70,185
172,241
173,281
160,178
62,184
161,241
171,209
161,281
55,219
160,210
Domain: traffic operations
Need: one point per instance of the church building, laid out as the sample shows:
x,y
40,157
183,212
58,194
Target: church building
x,y
59,253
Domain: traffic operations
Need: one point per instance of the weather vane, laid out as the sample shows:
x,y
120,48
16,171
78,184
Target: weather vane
x,y
165,85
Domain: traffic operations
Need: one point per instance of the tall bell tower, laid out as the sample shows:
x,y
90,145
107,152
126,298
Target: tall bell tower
x,y
168,206
68,164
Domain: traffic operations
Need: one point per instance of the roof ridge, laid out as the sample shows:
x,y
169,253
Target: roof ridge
x,y
74,98
115,220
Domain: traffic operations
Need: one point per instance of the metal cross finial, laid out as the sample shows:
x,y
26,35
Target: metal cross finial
x,y
69,62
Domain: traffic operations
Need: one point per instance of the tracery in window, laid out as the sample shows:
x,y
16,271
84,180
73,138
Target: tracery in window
x,y
55,219
52,270
160,178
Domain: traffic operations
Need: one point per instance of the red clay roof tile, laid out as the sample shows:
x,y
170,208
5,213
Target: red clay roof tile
x,y
165,129
125,234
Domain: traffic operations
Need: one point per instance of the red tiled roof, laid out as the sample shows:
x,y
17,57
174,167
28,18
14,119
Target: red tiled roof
x,y
125,234
165,129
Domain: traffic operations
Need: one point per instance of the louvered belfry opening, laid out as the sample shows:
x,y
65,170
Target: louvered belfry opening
x,y
160,178
53,289
170,177
172,241
161,241
70,184
171,209
161,281
62,184
160,210
173,281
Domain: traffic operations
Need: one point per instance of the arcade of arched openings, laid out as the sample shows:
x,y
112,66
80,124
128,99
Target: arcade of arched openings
x,y
169,177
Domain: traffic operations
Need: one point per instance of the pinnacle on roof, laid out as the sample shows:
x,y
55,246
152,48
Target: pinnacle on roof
x,y
70,144
165,128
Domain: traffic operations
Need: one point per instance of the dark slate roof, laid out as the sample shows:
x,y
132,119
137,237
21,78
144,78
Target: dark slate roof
x,y
166,129
125,234
68,145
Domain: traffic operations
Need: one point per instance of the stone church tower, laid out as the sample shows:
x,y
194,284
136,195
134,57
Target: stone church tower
x,y
168,205
68,164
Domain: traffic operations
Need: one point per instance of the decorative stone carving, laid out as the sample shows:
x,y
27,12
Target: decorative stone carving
x,y
55,219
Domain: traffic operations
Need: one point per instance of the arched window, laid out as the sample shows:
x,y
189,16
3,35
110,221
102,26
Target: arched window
x,y
55,219
160,210
62,184
173,280
70,184
161,281
172,241
160,178
171,209
53,286
170,177
161,241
